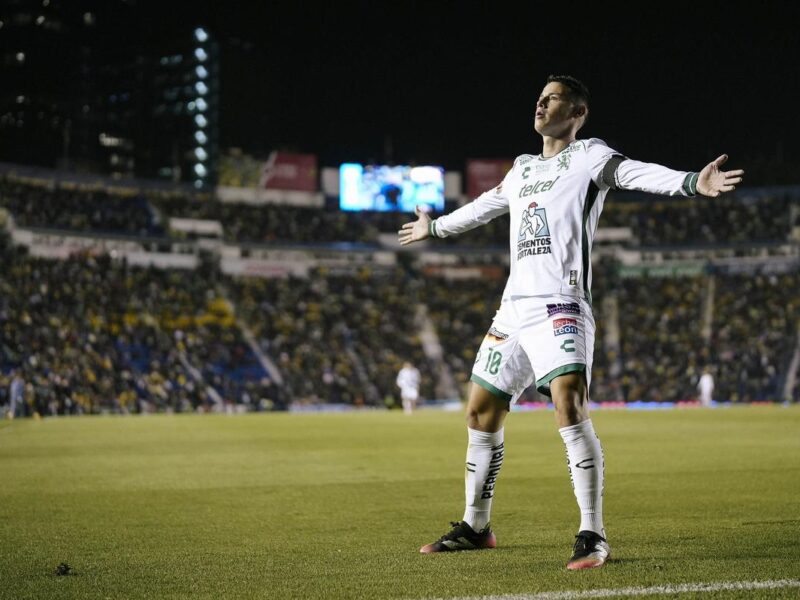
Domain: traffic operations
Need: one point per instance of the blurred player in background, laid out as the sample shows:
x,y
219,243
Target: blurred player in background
x,y
706,387
408,380
544,325
16,396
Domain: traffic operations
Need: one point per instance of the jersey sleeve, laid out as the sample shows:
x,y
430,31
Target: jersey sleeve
x,y
602,162
480,211
615,171
656,179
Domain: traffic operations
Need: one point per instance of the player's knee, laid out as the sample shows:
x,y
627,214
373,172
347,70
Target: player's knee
x,y
485,411
570,398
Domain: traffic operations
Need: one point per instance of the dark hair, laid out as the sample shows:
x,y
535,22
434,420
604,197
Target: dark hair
x,y
578,91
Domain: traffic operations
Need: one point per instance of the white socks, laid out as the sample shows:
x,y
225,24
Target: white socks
x,y
484,459
585,460
584,457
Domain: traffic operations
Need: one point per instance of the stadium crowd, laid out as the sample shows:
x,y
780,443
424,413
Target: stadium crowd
x,y
736,219
79,208
92,333
755,331
338,338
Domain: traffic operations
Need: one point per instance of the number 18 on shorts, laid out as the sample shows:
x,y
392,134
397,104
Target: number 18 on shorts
x,y
535,338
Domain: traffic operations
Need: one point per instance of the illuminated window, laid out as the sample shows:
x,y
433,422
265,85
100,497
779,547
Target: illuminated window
x,y
200,169
200,54
201,137
200,120
202,105
201,72
200,154
201,88
20,57
200,35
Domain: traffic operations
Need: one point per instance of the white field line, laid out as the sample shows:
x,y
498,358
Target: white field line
x,y
678,588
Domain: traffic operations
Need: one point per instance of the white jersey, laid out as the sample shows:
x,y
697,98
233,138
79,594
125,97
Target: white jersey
x,y
706,384
554,205
408,379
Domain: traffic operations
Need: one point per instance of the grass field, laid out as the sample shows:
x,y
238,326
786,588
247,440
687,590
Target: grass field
x,y
337,505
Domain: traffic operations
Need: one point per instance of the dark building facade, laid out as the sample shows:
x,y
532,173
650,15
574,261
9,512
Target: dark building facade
x,y
183,111
84,89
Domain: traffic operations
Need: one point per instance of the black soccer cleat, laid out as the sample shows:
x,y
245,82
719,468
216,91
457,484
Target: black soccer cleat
x,y
591,550
462,537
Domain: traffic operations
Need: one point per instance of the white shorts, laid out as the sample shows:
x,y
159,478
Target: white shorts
x,y
538,337
409,394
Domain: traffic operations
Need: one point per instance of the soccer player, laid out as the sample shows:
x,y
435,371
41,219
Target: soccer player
x,y
706,387
408,380
544,325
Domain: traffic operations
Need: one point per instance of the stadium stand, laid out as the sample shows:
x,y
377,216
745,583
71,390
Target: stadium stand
x,y
103,328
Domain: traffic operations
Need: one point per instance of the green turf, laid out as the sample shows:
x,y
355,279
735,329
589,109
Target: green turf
x,y
336,506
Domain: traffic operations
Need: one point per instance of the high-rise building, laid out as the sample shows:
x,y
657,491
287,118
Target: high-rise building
x,y
183,114
43,69
82,90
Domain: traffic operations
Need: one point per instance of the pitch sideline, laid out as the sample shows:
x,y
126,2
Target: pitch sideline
x,y
682,588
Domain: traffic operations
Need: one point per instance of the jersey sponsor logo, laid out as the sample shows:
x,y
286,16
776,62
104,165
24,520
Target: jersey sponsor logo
x,y
538,187
534,232
564,321
565,308
568,345
564,330
536,169
573,277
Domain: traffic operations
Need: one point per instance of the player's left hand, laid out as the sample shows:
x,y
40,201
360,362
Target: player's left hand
x,y
713,182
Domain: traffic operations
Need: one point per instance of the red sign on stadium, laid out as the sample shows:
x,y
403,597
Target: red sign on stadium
x,y
484,174
288,171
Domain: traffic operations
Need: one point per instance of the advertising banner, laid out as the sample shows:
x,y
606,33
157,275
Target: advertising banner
x,y
484,174
288,171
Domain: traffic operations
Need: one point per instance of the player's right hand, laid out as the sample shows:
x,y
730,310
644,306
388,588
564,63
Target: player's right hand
x,y
416,230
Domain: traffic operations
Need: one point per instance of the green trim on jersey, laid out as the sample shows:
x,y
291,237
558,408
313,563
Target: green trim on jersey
x,y
432,229
543,384
690,184
588,204
490,388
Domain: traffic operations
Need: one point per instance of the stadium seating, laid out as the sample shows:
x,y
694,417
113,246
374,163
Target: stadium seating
x,y
92,333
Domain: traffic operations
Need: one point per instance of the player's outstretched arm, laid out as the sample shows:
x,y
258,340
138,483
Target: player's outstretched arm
x,y
416,230
713,182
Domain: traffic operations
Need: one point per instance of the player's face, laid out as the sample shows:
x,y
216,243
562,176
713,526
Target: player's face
x,y
555,113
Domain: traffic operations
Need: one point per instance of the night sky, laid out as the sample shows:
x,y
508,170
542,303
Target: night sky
x,y
672,82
